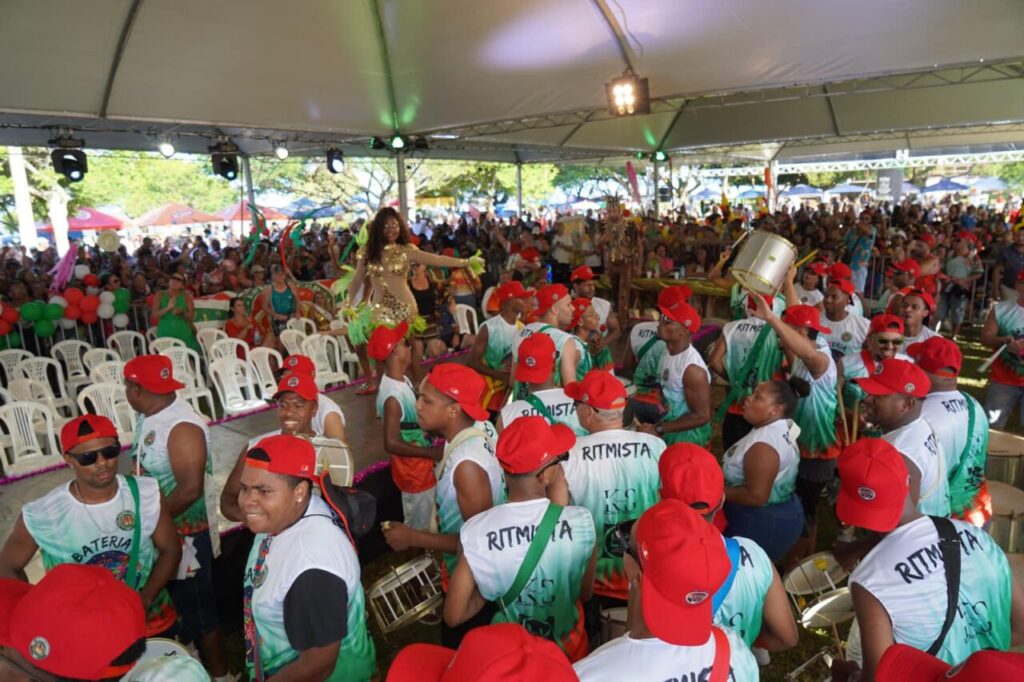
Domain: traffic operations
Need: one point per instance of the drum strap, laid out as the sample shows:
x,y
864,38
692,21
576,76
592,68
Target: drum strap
x,y
132,573
732,548
723,654
949,543
541,408
646,348
541,539
738,385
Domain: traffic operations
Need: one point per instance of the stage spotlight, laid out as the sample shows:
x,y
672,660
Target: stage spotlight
x,y
660,156
378,143
166,148
280,151
397,142
628,95
224,157
419,142
335,160
71,163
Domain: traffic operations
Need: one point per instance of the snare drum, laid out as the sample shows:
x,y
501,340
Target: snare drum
x,y
831,608
613,623
1005,455
335,456
406,594
814,577
1007,524
763,262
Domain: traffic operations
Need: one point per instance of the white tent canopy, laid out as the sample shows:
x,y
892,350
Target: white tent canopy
x,y
517,81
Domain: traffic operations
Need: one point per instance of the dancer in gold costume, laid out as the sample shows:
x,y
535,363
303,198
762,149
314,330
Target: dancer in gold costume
x,y
624,252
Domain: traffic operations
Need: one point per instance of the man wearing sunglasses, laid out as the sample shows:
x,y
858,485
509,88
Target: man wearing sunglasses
x,y
496,544
93,521
885,340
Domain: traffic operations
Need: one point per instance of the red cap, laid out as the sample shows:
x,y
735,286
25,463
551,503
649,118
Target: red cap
x,y
896,376
283,454
582,273
684,563
937,355
840,271
921,294
902,663
384,339
886,323
503,652
74,623
672,302
969,236
530,443
509,291
450,252
928,239
536,358
768,299
302,385
908,265
461,384
579,306
301,364
805,316
844,285
84,429
548,295
691,474
154,373
873,485
819,268
599,388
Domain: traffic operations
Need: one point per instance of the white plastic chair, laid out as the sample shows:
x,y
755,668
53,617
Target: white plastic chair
x,y
151,335
49,373
206,338
108,400
128,344
228,348
96,356
349,359
264,361
157,346
70,355
234,385
292,340
110,372
187,368
5,397
465,315
34,391
9,361
23,449
301,324
325,353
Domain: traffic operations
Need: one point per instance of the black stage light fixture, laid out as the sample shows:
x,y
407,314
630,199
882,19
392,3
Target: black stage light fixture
x,y
335,160
68,157
628,95
224,157
660,156
378,143
419,142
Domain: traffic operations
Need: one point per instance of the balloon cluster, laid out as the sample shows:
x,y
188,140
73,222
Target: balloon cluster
x,y
9,337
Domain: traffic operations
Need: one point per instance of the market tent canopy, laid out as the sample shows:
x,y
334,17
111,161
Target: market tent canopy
x,y
240,211
801,191
86,219
846,188
706,194
989,184
517,81
945,186
175,214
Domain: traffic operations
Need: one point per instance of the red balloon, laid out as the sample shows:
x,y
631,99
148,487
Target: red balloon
x,y
305,295
73,312
89,304
5,327
149,300
90,317
10,314
91,280
74,295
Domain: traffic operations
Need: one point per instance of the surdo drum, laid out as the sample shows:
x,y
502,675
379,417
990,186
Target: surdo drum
x,y
763,261
406,594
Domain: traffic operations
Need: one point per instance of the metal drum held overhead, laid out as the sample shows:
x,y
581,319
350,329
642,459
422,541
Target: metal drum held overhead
x,y
763,262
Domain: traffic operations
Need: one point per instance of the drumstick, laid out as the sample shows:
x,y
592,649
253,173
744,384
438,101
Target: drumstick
x,y
800,263
856,419
839,643
842,415
988,363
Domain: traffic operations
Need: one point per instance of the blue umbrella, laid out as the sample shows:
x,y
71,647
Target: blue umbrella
x,y
945,186
907,188
989,184
801,191
749,194
847,188
706,194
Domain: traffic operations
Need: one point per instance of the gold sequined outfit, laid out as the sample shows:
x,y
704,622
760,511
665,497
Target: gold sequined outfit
x,y
391,299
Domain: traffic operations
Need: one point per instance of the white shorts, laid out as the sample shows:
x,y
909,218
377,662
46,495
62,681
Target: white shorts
x,y
418,509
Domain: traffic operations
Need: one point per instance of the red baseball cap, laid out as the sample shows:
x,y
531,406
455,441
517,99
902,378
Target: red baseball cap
x,y
927,238
840,271
536,359
582,273
672,302
530,443
463,385
893,375
503,652
908,265
283,454
684,563
844,285
805,316
154,373
384,339
74,623
921,294
301,364
819,268
509,291
903,663
691,474
548,295
873,485
886,323
84,429
302,385
579,306
937,355
599,388
768,299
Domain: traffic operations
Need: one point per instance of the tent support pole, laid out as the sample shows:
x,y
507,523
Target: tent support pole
x,y
519,188
22,198
403,196
654,167
250,197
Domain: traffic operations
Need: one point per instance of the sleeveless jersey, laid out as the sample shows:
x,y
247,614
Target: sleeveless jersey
x,y
585,363
479,450
324,407
561,407
740,338
738,303
778,436
923,335
1008,367
670,374
947,413
652,660
314,542
410,474
557,335
848,334
645,376
816,414
150,452
858,366
614,474
741,610
70,532
916,441
501,338
489,431
603,308
905,573
808,296
495,542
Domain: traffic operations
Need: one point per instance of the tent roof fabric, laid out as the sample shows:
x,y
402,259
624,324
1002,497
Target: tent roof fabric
x,y
240,211
516,81
175,214
87,219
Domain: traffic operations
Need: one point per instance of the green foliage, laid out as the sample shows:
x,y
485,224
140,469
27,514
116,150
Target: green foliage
x,y
592,181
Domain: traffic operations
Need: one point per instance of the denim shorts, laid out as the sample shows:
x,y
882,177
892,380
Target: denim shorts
x,y
775,527
194,598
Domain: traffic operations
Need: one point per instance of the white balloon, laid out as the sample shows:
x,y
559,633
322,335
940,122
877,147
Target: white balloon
x,y
67,324
81,271
107,297
105,311
59,300
120,320
92,291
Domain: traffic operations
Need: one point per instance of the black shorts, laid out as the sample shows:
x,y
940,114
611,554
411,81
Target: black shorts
x,y
193,597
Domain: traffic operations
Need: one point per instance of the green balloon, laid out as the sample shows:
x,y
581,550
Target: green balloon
x,y
53,311
31,311
44,328
121,306
122,294
13,340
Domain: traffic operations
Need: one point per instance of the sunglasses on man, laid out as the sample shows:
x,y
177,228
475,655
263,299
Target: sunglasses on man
x,y
890,342
87,459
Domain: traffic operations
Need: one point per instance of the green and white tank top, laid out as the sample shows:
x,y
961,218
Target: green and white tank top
x,y
780,435
741,336
947,412
847,335
670,376
905,573
501,338
559,337
495,542
614,474
916,441
816,414
405,396
324,407
743,606
584,363
603,308
647,349
314,542
1009,367
561,407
